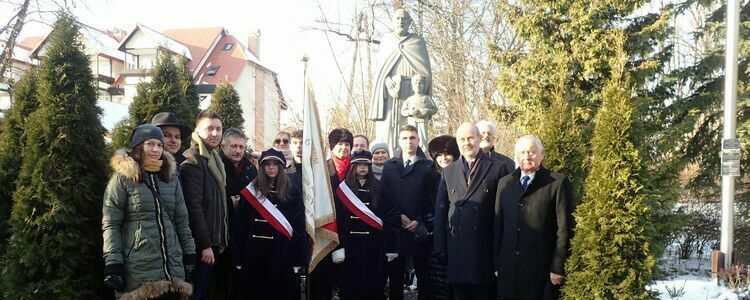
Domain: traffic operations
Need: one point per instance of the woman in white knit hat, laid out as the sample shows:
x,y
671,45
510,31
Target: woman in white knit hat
x,y
380,155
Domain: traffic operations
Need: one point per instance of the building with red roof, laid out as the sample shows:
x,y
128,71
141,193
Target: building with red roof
x,y
120,60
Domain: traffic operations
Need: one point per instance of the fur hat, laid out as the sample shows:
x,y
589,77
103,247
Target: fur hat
x,y
338,135
144,132
361,156
444,144
272,154
379,145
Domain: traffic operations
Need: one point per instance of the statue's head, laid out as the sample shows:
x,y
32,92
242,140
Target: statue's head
x,y
419,84
401,22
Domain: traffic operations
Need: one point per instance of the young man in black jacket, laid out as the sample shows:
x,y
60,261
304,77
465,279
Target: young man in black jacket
x,y
204,186
408,178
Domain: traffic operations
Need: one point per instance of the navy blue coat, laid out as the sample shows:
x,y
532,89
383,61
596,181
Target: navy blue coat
x,y
363,273
464,220
265,255
410,191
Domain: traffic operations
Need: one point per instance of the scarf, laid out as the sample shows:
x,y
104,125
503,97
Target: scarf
x,y
216,167
152,165
377,171
341,165
288,156
473,167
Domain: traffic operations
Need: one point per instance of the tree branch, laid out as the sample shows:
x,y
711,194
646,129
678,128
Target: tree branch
x,y
7,53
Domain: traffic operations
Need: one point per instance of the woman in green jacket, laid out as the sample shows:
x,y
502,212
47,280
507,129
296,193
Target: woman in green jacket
x,y
149,251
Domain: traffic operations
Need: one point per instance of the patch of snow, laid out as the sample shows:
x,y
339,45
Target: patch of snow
x,y
694,288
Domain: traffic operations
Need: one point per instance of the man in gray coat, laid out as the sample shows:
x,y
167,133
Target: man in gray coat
x,y
464,217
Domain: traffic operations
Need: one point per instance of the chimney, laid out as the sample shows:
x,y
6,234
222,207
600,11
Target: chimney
x,y
253,42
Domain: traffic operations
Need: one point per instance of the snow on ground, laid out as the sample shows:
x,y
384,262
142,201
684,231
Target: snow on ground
x,y
693,288
690,276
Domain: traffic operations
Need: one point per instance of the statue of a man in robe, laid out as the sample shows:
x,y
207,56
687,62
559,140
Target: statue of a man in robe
x,y
403,55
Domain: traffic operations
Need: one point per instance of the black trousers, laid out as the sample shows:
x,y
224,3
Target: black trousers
x,y
324,279
473,291
548,292
397,270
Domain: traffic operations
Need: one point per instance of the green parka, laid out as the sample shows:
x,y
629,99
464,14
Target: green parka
x,y
150,238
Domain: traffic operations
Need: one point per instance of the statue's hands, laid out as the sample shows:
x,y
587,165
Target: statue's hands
x,y
393,85
418,113
405,111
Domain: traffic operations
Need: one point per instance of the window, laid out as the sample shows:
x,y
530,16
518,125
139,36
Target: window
x,y
228,46
212,71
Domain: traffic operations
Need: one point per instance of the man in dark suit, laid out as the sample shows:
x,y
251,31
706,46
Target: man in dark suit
x,y
464,217
487,130
533,226
407,177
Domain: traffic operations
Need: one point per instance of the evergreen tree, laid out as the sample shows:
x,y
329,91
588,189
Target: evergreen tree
x,y
190,109
162,93
12,141
566,72
169,90
564,67
121,135
612,256
55,248
226,102
693,135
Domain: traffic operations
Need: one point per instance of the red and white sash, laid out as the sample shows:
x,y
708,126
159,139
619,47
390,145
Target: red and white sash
x,y
266,209
358,208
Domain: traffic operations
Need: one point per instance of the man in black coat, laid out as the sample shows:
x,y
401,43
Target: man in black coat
x,y
240,172
487,130
533,227
464,217
407,176
204,186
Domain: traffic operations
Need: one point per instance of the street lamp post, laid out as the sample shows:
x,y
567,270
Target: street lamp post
x,y
730,145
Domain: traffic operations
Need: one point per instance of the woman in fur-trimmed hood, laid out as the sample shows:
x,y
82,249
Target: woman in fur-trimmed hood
x,y
149,251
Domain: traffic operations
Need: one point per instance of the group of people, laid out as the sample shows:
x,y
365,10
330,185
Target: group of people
x,y
210,222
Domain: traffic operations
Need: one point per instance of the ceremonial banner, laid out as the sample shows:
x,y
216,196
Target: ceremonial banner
x,y
320,214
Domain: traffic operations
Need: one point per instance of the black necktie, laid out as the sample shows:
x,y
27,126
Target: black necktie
x,y
408,164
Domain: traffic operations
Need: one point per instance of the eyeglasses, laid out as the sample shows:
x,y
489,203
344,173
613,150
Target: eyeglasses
x,y
281,141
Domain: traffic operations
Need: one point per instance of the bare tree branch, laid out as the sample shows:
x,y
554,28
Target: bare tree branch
x,y
349,37
7,54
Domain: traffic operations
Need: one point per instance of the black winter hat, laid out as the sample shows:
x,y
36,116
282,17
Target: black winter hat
x,y
272,154
361,156
340,134
443,144
144,132
168,119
